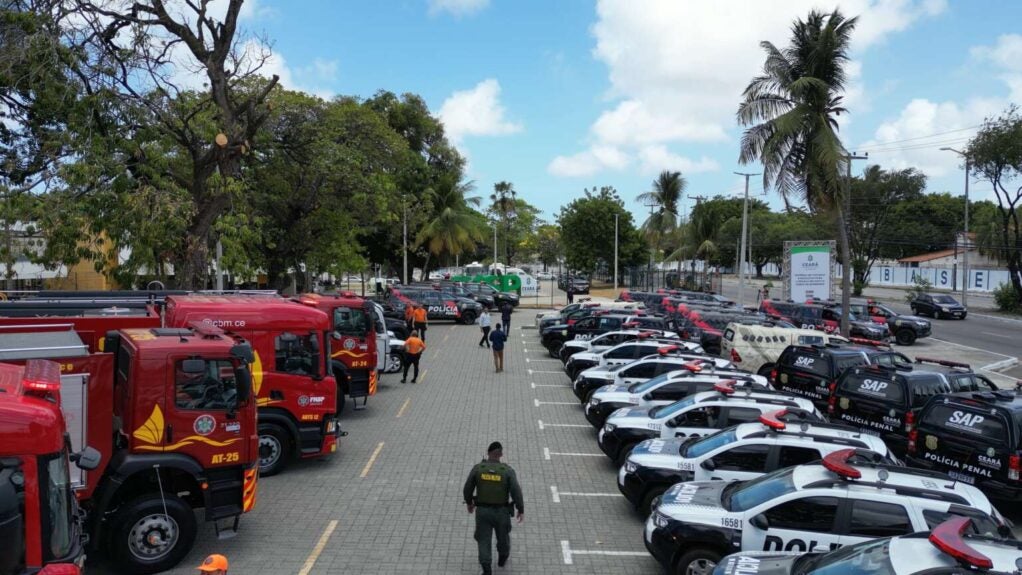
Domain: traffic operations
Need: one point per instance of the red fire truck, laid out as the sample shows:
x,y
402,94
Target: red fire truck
x,y
171,415
40,524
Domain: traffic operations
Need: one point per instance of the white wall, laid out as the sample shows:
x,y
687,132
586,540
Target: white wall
x,y
983,279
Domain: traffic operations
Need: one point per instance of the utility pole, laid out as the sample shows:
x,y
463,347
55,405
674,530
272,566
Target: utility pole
x,y
965,252
494,270
616,216
846,273
404,236
745,234
219,270
649,267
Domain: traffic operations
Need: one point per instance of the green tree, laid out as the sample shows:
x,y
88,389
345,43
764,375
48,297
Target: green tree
x,y
587,232
995,154
503,211
668,189
791,112
452,227
548,244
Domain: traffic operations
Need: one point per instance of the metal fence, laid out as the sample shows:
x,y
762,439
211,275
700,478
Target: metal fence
x,y
645,279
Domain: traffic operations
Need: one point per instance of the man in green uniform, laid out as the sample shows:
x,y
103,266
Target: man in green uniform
x,y
492,482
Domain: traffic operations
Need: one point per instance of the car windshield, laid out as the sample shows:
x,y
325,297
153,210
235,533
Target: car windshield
x,y
944,299
749,494
672,408
709,443
866,558
649,384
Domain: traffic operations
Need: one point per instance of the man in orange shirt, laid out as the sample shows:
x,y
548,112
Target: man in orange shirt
x,y
413,351
420,320
410,316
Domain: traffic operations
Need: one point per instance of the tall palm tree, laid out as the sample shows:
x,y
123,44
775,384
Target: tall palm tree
x,y
451,229
668,189
791,112
503,198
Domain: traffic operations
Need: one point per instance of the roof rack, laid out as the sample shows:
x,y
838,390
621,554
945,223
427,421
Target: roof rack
x,y
944,362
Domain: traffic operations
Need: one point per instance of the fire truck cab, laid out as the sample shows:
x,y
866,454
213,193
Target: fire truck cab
x,y
171,415
40,523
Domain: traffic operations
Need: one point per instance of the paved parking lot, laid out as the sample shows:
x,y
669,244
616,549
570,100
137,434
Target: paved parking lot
x,y
390,501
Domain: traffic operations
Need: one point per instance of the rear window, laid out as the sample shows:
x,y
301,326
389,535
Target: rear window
x,y
845,361
873,386
975,423
808,361
729,334
810,339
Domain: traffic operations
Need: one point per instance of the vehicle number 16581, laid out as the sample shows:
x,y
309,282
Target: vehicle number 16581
x,y
731,522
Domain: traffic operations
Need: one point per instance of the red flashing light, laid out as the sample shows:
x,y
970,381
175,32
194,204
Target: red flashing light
x,y
644,335
625,296
838,463
667,349
41,376
348,294
307,301
773,419
735,356
870,342
832,400
60,569
725,387
773,375
630,324
944,362
1014,466
948,538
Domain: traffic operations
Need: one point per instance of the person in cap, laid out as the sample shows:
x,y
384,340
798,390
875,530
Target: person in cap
x,y
489,486
214,564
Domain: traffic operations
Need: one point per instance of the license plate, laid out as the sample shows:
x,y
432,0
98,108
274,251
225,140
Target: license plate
x,y
869,431
962,477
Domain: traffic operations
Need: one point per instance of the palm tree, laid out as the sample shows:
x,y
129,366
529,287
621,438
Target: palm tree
x,y
451,229
503,198
668,189
792,111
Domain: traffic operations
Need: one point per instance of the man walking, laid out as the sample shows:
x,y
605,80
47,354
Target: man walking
x,y
421,320
484,325
413,352
505,315
497,338
410,316
486,492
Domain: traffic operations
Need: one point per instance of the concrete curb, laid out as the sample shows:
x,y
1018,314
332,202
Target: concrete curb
x,y
1002,365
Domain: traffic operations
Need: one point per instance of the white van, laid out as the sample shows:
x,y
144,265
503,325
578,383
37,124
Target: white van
x,y
756,348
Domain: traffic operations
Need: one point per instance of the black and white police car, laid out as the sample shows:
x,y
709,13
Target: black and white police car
x,y
780,439
955,547
623,353
662,390
610,339
669,358
696,415
844,499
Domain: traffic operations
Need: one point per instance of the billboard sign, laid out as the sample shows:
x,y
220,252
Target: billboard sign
x,y
809,272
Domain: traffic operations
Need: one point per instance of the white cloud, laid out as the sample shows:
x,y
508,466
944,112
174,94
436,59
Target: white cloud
x,y
476,112
1006,55
592,161
677,69
457,7
657,158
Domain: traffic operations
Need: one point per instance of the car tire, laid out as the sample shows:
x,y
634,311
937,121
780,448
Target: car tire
x,y
905,336
138,520
697,562
623,453
647,500
275,450
468,318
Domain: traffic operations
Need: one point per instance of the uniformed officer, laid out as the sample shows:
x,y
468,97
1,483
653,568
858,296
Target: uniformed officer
x,y
492,482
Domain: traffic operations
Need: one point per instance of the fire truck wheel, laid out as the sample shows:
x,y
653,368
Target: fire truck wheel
x,y
145,540
274,450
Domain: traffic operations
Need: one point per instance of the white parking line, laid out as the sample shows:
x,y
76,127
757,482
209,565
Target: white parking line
x,y
535,385
532,371
547,453
545,425
969,347
568,554
539,403
995,317
555,495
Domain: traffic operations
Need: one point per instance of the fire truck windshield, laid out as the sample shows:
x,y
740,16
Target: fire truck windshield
x,y
57,510
351,321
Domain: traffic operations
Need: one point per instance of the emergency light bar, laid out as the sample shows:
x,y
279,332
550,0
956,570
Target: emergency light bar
x,y
948,538
773,419
667,349
870,342
645,334
838,463
944,362
696,365
630,324
725,387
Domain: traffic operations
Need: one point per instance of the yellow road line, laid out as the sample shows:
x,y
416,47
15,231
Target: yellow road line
x,y
446,335
372,459
422,377
320,545
404,406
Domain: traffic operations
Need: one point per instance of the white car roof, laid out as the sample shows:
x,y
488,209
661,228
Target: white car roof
x,y
915,553
799,430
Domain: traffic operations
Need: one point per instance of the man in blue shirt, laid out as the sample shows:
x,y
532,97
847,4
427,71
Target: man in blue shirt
x,y
497,338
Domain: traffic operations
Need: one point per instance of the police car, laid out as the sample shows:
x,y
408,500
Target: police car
x,y
622,354
957,546
975,438
779,439
610,339
808,370
667,359
885,400
585,303
696,415
662,390
844,499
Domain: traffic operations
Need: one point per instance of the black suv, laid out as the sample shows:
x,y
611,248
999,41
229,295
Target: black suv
x,y
822,316
573,284
906,329
439,305
975,438
499,297
553,337
883,400
938,305
457,290
809,370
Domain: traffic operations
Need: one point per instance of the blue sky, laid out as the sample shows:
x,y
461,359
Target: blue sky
x,y
558,95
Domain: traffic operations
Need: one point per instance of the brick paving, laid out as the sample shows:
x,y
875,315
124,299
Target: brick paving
x,y
406,515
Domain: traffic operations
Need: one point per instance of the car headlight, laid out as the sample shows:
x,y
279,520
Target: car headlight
x,y
564,332
609,428
922,323
331,426
594,401
631,467
943,308
659,519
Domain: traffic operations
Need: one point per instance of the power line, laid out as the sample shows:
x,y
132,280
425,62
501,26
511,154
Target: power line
x,y
879,144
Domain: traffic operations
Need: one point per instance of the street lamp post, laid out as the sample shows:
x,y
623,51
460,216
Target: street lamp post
x,y
649,267
404,239
615,251
744,243
965,252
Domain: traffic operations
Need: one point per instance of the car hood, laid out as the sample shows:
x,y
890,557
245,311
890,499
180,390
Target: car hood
x,y
585,356
555,328
692,494
614,394
758,563
629,415
598,373
659,447
910,318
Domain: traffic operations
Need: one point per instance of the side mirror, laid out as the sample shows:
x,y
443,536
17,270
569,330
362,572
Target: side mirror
x,y
760,522
87,459
193,366
708,465
244,383
336,335
648,397
1005,531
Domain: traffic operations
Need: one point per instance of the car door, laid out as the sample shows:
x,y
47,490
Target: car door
x,y
734,415
799,522
671,391
637,373
619,355
696,421
583,328
869,519
792,455
738,462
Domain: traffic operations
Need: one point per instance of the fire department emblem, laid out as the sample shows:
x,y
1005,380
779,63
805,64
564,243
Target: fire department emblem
x,y
303,400
349,344
931,442
204,424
